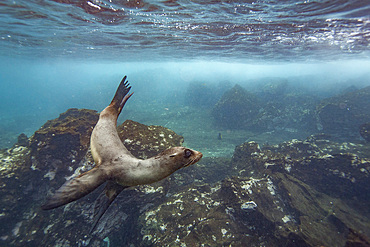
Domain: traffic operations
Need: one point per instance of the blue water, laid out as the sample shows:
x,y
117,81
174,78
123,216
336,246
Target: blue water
x,y
70,53
172,30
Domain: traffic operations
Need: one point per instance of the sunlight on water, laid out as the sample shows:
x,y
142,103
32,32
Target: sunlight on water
x,y
183,30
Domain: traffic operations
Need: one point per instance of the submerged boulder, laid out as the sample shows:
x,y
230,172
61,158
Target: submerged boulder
x,y
293,113
343,115
277,210
237,109
337,169
200,94
59,146
56,152
65,138
322,187
145,141
365,131
23,140
272,108
18,182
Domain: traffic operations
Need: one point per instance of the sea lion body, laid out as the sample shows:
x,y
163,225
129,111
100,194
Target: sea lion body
x,y
115,164
119,165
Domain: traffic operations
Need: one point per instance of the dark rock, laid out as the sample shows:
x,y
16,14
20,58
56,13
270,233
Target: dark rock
x,y
322,220
298,193
275,207
273,88
236,109
356,239
198,215
276,211
275,109
343,115
18,181
204,95
55,150
326,167
286,108
146,141
365,131
58,151
23,140
59,146
293,113
211,170
65,138
349,89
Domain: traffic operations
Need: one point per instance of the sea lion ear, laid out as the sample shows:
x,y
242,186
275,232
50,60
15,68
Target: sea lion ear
x,y
173,155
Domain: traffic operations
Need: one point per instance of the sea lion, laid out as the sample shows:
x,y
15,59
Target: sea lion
x,y
116,165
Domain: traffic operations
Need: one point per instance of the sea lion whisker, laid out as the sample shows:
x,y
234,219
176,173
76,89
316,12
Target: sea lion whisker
x,y
192,161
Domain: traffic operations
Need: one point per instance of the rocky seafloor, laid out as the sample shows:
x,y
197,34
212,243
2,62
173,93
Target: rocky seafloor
x,y
312,192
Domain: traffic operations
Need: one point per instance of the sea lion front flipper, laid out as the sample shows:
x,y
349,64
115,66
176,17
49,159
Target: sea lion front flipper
x,y
121,96
104,200
75,188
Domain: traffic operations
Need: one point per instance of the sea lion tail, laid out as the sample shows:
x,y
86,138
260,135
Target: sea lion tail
x,y
121,96
105,199
75,189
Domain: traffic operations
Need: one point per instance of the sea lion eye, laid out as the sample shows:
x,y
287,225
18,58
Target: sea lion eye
x,y
188,153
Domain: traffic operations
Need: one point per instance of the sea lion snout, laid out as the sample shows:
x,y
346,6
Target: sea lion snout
x,y
197,155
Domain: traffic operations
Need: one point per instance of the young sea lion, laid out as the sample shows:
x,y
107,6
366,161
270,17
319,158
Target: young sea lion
x,y
116,165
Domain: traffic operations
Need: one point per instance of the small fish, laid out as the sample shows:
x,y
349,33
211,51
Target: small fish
x,y
219,137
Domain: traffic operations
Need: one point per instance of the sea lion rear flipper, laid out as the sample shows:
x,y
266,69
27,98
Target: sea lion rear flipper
x,y
75,188
104,200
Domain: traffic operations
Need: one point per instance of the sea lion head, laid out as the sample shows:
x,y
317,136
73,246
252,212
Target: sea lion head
x,y
179,157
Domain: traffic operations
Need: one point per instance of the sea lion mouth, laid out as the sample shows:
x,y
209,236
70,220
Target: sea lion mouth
x,y
196,158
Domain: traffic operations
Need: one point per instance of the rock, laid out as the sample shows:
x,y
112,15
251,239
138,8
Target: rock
x,y
298,193
273,88
210,170
147,141
23,140
58,151
286,108
365,131
59,146
325,166
294,113
18,181
320,219
276,211
28,171
274,207
356,239
236,109
275,109
204,95
343,115
198,215
65,138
